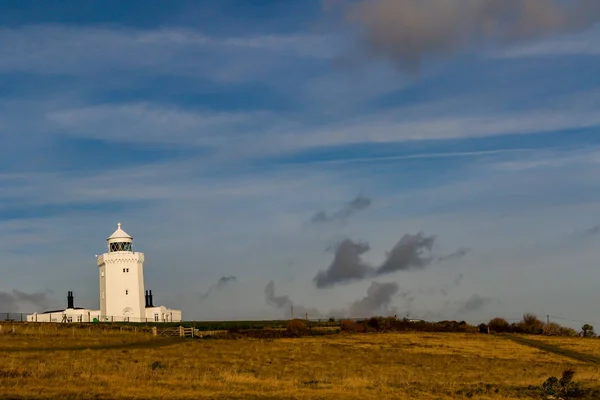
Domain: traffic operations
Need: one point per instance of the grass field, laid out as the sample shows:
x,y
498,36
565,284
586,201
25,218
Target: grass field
x,y
69,363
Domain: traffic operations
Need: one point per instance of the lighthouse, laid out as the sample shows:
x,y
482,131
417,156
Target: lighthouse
x,y
122,293
121,278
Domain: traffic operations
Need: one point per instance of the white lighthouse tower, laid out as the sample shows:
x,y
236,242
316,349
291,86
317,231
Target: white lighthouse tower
x,y
122,296
122,279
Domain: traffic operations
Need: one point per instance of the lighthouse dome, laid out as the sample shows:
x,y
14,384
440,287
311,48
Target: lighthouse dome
x,y
119,240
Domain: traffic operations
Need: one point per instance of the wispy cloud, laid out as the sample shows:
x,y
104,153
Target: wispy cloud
x,y
264,134
221,283
569,45
358,204
56,49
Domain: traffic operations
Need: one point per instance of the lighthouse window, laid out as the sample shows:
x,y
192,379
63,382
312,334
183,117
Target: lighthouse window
x,y
120,246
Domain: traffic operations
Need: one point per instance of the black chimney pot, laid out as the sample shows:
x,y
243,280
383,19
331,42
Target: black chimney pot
x,y
70,302
151,299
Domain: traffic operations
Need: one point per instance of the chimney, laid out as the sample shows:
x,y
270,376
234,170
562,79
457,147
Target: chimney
x,y
70,303
146,297
150,299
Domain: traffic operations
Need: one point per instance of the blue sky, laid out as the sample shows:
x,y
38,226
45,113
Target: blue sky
x,y
215,131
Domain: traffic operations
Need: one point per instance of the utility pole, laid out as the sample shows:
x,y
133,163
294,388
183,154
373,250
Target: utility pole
x,y
292,312
547,319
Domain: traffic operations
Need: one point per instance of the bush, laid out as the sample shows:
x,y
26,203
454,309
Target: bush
x,y
552,329
587,330
373,323
349,325
565,331
563,388
297,327
499,325
531,324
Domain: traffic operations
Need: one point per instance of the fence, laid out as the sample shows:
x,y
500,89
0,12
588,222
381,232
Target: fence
x,y
13,317
73,316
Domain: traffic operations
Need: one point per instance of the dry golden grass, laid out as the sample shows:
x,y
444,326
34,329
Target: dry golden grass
x,y
580,344
361,366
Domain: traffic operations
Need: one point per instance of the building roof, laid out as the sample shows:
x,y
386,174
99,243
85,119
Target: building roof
x,y
119,234
63,310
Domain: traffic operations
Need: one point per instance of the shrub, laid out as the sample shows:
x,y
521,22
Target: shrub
x,y
563,388
349,325
373,323
552,329
499,325
531,324
297,327
565,331
587,330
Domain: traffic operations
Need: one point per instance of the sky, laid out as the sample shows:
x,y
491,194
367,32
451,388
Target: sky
x,y
436,159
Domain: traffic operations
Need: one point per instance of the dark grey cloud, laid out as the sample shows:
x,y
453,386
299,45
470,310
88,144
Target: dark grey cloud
x,y
376,302
225,280
458,279
11,301
408,299
221,283
359,203
287,305
474,303
590,232
408,31
408,254
457,255
276,301
347,266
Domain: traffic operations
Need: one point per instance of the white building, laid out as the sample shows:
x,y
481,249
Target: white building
x,y
122,296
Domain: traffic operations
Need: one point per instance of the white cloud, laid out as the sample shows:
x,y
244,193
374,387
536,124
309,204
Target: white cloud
x,y
263,134
587,43
57,49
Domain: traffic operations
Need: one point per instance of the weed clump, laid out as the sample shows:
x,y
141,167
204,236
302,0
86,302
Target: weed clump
x,y
157,365
563,388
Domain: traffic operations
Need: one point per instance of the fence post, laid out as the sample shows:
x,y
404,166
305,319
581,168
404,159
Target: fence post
x,y
13,329
181,331
0,329
154,331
